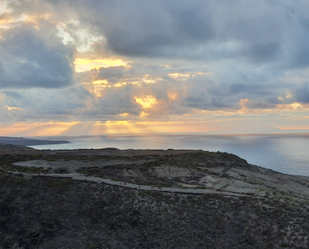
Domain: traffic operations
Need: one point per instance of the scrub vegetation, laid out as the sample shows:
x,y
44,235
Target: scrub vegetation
x,y
40,209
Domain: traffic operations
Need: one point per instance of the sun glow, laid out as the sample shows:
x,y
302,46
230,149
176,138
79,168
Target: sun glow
x,y
11,108
83,65
143,114
100,82
146,102
292,107
179,75
35,18
199,73
296,105
120,84
37,129
7,20
148,80
97,87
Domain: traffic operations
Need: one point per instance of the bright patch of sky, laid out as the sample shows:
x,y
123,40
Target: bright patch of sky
x,y
80,37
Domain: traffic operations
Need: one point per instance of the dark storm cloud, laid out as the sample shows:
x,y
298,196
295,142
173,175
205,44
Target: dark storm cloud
x,y
260,32
27,60
257,32
152,29
137,28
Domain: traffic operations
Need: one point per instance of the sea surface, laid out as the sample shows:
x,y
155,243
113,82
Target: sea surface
x,y
284,152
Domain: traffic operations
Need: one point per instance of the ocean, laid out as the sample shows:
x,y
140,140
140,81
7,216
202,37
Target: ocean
x,y
284,152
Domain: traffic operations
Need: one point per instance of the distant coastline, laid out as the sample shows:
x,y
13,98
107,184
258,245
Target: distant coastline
x,y
29,142
286,153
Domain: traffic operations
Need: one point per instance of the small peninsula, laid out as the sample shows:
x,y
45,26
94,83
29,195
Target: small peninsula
x,y
111,198
29,141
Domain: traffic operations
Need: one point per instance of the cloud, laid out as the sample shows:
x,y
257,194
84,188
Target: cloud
x,y
27,59
158,28
301,94
187,57
44,104
273,32
259,32
264,52
112,74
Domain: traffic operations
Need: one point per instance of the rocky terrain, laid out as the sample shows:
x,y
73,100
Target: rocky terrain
x,y
112,198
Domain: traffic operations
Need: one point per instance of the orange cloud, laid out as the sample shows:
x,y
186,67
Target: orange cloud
x,y
172,96
148,80
292,107
10,108
143,114
179,75
294,127
83,65
100,82
36,129
6,19
35,18
146,102
148,127
139,127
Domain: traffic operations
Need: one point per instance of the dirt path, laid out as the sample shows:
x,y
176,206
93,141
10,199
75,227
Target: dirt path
x,y
78,177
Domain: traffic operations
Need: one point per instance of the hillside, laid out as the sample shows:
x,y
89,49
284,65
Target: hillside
x,y
112,198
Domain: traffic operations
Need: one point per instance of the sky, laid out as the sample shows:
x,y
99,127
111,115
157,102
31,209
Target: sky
x,y
90,67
